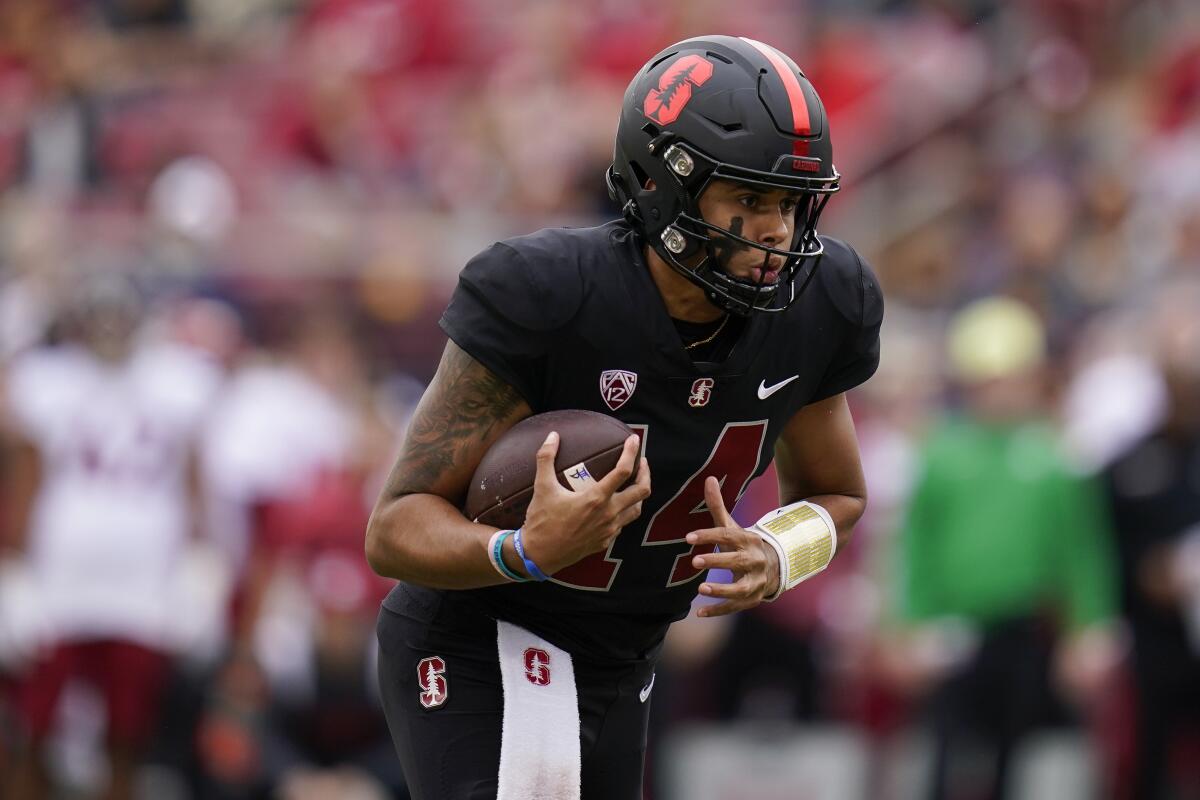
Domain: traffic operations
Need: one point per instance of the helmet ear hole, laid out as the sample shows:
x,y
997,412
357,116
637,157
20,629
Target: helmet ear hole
x,y
617,188
643,181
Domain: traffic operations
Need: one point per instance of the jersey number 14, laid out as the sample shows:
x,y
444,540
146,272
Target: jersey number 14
x,y
733,460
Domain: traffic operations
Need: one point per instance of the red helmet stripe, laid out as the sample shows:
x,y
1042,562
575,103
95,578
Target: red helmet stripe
x,y
800,121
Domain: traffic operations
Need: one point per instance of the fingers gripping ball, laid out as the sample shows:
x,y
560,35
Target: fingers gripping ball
x,y
589,446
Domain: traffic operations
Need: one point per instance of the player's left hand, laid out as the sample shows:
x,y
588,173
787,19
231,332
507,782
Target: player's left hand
x,y
753,562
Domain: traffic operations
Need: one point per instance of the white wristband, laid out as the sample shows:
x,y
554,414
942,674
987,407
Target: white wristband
x,y
804,538
493,555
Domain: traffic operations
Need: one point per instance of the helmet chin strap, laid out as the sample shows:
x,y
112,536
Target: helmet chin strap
x,y
725,291
689,236
720,254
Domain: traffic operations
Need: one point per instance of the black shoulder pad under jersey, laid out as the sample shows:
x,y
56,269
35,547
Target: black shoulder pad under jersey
x,y
850,284
527,281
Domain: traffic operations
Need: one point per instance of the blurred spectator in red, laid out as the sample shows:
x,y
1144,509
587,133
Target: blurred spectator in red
x,y
1006,576
291,444
50,131
107,427
892,415
295,443
1154,487
363,76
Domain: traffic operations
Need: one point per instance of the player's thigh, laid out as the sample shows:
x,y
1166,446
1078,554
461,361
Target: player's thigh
x,y
131,677
443,701
39,688
614,754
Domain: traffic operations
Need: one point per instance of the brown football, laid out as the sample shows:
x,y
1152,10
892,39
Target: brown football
x,y
502,486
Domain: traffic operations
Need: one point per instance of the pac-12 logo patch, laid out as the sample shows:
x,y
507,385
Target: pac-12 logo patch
x,y
616,387
701,392
664,103
537,666
431,675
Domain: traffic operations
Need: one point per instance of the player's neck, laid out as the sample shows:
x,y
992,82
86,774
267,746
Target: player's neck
x,y
684,299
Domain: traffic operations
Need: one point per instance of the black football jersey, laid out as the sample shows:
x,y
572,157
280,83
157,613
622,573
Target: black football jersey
x,y
571,318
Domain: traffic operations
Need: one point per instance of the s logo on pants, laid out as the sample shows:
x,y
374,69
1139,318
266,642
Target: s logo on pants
x,y
431,675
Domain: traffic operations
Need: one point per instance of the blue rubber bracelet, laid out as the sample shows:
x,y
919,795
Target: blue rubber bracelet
x,y
498,557
530,567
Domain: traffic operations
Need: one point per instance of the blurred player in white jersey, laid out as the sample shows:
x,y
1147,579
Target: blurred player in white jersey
x,y
106,427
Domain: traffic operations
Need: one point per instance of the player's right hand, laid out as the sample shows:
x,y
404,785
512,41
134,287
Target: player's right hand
x,y
563,526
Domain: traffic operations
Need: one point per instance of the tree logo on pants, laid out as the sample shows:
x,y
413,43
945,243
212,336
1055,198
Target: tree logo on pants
x,y
537,666
431,675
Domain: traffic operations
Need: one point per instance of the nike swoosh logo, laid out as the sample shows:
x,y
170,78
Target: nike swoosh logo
x,y
645,692
765,391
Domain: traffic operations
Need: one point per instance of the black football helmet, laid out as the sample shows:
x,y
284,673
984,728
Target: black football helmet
x,y
720,107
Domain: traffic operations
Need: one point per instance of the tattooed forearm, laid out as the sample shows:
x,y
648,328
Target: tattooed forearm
x,y
463,411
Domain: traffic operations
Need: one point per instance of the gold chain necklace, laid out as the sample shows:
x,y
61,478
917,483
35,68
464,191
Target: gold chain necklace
x,y
710,337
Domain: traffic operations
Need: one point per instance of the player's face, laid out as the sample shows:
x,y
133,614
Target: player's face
x,y
765,216
108,332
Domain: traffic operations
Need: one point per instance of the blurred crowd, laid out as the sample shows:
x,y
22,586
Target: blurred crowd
x,y
228,227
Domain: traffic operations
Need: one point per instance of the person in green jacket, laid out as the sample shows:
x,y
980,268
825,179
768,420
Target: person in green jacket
x,y
1007,580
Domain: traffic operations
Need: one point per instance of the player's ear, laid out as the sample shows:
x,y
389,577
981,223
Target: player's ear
x,y
649,186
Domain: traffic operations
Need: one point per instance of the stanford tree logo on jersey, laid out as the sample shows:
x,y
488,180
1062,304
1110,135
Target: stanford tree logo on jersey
x,y
701,392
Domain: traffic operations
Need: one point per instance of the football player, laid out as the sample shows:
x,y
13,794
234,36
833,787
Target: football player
x,y
110,495
712,319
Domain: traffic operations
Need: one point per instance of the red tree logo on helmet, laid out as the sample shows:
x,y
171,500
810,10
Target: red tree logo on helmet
x,y
665,103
